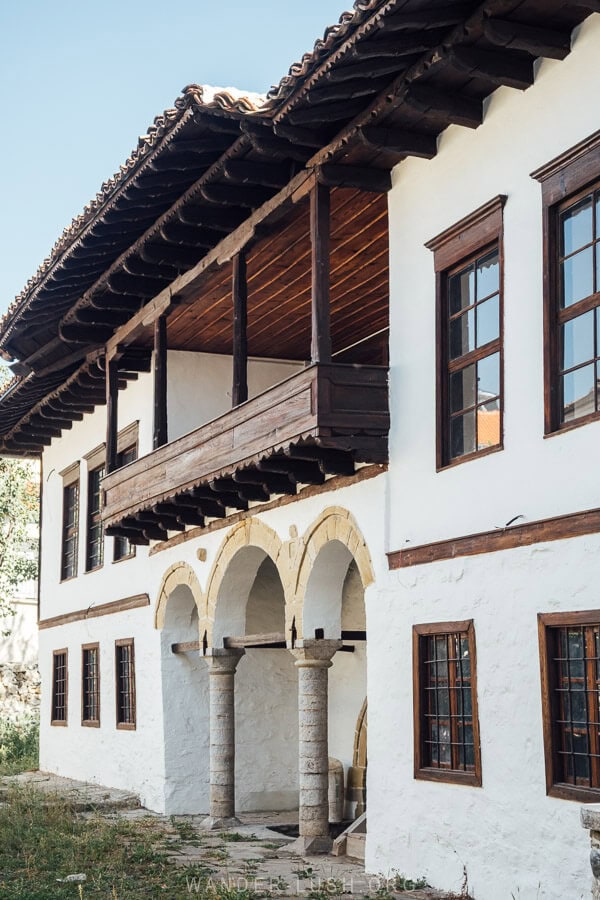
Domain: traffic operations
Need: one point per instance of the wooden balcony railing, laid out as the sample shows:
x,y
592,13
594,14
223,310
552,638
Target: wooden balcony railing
x,y
319,422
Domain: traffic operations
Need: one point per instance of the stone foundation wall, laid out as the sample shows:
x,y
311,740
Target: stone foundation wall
x,y
19,691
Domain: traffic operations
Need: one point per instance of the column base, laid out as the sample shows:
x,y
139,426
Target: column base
x,y
210,823
308,846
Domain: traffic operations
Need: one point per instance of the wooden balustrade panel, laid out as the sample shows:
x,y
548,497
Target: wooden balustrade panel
x,y
334,406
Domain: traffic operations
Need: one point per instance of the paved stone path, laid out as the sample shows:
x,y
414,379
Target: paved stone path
x,y
251,857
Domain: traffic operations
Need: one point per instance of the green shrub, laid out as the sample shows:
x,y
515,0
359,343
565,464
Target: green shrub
x,y
19,746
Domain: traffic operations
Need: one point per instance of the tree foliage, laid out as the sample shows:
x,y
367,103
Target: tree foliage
x,y
19,505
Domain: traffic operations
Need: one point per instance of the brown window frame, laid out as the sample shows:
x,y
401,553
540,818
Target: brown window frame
x,y
548,629
131,723
62,722
122,547
94,520
563,180
422,769
70,529
459,246
90,721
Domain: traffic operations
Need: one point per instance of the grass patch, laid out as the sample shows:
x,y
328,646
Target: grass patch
x,y
19,746
123,860
233,837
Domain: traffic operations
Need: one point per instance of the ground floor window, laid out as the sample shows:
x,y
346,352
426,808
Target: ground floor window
x,y
445,703
59,687
125,675
90,687
570,654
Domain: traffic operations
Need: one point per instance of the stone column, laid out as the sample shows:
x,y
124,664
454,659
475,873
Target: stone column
x,y
590,819
313,659
221,670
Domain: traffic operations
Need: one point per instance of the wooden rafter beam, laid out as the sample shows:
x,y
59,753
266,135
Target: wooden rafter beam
x,y
400,141
334,462
454,108
507,68
274,483
325,112
375,180
244,195
394,48
419,20
302,471
255,640
535,41
269,175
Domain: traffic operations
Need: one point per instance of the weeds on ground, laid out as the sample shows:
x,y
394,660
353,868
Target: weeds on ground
x,y
332,887
401,883
232,837
19,743
42,842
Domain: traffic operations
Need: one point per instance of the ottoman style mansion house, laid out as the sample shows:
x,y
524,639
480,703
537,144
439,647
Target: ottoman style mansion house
x,y
315,384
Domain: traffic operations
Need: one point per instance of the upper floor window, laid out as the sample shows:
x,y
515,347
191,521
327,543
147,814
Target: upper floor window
x,y
123,548
58,714
445,703
571,209
468,263
94,545
90,685
70,523
570,657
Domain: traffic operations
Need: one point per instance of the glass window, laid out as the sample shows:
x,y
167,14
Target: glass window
x,y
94,556
70,533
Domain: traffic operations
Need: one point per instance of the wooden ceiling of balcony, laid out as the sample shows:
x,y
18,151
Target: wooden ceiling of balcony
x,y
279,285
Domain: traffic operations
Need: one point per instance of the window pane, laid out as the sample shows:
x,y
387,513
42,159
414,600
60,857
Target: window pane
x,y
488,275
461,290
488,321
578,340
577,226
578,393
488,428
462,334
488,377
462,389
578,277
462,434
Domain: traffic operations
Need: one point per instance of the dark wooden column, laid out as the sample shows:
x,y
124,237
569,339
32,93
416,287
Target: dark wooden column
x,y
239,393
160,431
112,396
319,236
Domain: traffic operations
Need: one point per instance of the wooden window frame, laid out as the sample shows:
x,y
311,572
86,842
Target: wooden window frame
x,y
565,178
90,723
554,786
469,239
53,721
71,481
127,441
125,726
421,770
94,518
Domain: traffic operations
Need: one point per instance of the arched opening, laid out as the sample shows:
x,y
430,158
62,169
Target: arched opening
x,y
185,708
251,601
334,607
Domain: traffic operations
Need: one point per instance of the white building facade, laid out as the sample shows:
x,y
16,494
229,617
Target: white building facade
x,y
225,591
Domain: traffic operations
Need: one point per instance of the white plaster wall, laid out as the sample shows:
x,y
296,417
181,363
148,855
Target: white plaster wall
x,y
348,675
185,710
513,840
266,707
21,642
531,476
199,386
508,834
132,760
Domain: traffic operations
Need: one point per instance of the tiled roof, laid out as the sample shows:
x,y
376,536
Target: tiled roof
x,y
230,100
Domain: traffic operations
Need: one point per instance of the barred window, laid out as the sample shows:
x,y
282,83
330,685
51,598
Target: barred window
x,y
570,656
90,687
446,726
123,548
58,715
94,555
70,530
125,681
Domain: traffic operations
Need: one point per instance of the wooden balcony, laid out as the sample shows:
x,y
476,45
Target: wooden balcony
x,y
321,421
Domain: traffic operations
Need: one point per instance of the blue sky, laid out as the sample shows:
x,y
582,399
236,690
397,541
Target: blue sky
x,y
81,79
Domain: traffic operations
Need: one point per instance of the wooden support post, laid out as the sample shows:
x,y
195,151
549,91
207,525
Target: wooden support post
x,y
319,236
239,392
112,395
160,436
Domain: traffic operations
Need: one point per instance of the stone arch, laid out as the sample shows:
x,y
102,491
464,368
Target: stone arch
x,y
259,541
180,573
331,542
